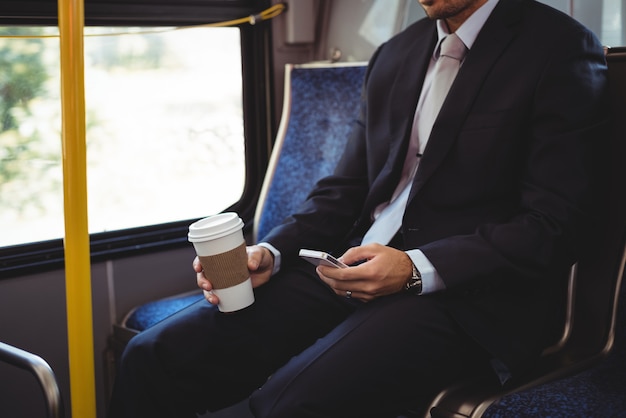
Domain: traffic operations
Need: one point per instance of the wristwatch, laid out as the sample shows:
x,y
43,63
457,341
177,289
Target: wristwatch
x,y
414,284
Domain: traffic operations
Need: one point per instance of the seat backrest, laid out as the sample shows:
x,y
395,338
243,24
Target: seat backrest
x,y
596,291
321,102
600,271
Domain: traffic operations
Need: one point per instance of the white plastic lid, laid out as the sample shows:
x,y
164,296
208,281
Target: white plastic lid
x,y
214,227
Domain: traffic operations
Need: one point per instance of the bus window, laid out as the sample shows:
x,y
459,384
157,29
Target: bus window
x,y
164,128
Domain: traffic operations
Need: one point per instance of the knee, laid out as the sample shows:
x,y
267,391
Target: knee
x,y
138,355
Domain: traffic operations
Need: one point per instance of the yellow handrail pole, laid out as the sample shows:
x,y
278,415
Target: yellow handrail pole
x,y
77,257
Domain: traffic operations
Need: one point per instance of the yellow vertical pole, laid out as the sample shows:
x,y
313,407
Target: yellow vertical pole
x,y
77,258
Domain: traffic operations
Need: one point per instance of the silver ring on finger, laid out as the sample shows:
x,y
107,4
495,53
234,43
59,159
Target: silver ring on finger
x,y
348,294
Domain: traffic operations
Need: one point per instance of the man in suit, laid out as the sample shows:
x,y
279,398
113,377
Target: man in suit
x,y
498,196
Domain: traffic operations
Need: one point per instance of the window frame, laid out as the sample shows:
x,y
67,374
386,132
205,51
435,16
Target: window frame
x,y
258,126
132,13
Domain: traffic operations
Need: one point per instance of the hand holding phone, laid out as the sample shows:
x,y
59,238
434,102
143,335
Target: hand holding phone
x,y
321,258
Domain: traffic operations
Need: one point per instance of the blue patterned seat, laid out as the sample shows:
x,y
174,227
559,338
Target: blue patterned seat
x,y
321,101
319,106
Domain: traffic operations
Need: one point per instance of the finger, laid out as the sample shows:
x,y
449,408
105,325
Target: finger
x,y
340,280
333,274
262,261
211,297
254,258
259,258
197,266
201,279
362,253
352,279
203,282
349,294
349,274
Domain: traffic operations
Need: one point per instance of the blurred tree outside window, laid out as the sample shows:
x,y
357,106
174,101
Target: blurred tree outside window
x,y
30,148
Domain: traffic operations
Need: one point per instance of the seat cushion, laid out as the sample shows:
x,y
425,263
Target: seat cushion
x,y
146,315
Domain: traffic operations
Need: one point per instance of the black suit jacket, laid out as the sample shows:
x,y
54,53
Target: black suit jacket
x,y
506,191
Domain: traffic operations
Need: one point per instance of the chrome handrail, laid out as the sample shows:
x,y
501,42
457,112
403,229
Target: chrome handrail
x,y
42,372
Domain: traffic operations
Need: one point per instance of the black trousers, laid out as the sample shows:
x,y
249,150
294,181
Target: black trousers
x,y
298,351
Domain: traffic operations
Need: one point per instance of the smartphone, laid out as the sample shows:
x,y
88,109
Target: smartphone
x,y
321,258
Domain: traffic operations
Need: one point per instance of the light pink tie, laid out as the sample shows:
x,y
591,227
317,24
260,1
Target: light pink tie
x,y
452,52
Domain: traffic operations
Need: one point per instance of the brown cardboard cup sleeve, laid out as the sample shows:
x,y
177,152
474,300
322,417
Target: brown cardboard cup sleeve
x,y
227,269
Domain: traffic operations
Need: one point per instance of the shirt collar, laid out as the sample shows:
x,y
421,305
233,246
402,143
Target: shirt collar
x,y
468,31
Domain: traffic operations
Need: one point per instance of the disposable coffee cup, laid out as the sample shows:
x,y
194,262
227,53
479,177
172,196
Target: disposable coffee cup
x,y
221,248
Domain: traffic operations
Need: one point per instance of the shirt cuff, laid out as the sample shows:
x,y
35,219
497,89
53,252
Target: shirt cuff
x,y
276,253
431,281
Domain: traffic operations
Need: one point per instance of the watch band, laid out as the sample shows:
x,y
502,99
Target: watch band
x,y
414,284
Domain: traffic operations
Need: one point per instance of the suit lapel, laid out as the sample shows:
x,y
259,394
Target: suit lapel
x,y
404,92
407,86
496,34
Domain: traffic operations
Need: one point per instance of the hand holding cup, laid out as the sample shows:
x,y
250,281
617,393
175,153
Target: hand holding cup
x,y
221,250
260,266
